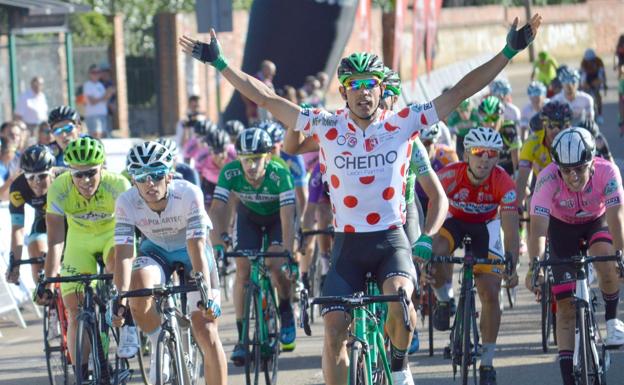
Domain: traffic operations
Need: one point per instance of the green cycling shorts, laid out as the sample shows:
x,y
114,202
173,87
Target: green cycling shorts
x,y
80,257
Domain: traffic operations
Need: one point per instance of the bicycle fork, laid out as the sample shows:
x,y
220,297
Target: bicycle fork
x,y
583,303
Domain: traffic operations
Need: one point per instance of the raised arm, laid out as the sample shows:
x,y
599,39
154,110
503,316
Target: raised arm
x,y
481,76
252,88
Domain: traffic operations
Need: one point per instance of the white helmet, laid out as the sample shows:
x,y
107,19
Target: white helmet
x,y
432,132
151,155
572,147
483,137
171,145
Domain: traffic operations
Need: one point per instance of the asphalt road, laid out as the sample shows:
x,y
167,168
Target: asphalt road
x,y
519,359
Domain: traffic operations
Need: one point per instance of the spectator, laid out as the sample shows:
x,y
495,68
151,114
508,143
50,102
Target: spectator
x,y
290,93
106,77
184,128
266,74
312,88
32,105
96,110
323,79
44,134
12,133
9,167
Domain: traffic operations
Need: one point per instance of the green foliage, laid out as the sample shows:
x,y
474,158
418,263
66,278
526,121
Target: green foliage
x,y
241,4
91,29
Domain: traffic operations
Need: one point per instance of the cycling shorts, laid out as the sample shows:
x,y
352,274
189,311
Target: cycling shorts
x,y
251,227
486,241
563,245
208,190
317,190
161,263
81,253
384,253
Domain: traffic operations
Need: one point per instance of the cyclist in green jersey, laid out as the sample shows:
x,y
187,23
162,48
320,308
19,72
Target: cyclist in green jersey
x,y
267,206
84,197
460,121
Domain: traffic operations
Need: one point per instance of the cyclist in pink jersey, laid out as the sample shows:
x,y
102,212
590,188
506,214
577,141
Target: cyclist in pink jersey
x,y
578,196
210,160
364,154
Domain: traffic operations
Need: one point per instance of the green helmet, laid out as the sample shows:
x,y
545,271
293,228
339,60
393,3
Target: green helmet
x,y
464,105
392,80
85,151
360,63
491,106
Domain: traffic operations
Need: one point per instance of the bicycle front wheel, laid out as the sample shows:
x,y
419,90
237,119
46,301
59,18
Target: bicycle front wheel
x,y
547,321
430,300
169,365
87,368
251,337
357,367
466,356
270,347
582,368
55,347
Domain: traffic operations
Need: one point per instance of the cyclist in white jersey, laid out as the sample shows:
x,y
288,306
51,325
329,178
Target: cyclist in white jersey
x,y
502,90
581,103
364,154
537,98
174,226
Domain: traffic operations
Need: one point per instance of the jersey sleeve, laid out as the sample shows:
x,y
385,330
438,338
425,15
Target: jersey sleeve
x,y
526,153
224,184
198,224
506,191
541,201
124,221
286,188
16,203
315,122
298,171
414,118
613,191
419,162
55,198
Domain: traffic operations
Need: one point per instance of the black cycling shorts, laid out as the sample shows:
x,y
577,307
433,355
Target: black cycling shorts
x,y
251,227
564,243
385,254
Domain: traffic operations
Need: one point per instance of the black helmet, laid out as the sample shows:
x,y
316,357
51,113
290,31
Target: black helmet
x,y
590,125
202,127
37,158
536,123
274,129
233,127
217,140
557,112
61,113
253,140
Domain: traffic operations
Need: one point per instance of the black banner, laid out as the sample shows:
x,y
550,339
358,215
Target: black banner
x,y
302,37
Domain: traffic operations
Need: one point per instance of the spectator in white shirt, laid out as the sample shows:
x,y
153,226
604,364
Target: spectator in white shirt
x,y
96,109
32,105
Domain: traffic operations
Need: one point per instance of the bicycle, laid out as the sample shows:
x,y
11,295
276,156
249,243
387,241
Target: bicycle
x,y
548,307
464,337
591,355
427,304
175,339
261,321
315,271
54,330
368,363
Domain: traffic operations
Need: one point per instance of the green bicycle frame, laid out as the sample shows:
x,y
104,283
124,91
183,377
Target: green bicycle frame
x,y
369,331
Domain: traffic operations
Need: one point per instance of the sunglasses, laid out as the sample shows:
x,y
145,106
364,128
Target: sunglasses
x,y
478,151
66,129
491,118
39,176
362,84
155,176
90,173
552,125
577,170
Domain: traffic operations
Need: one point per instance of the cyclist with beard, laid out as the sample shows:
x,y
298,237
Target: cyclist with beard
x,y
364,156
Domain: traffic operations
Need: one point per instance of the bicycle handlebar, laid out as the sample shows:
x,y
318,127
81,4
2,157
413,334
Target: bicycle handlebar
x,y
159,291
582,260
257,254
78,278
465,261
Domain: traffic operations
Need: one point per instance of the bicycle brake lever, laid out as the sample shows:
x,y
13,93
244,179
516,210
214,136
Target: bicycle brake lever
x,y
304,305
405,306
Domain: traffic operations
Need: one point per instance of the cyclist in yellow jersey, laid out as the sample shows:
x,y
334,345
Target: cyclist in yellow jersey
x,y
84,197
535,152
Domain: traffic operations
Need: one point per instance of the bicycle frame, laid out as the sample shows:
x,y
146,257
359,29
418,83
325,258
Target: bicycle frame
x,y
260,284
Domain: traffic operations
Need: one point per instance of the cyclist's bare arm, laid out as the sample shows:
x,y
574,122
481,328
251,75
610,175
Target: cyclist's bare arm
x,y
219,214
515,158
615,221
438,203
287,220
295,143
537,236
55,225
17,241
196,248
124,255
476,79
510,222
521,183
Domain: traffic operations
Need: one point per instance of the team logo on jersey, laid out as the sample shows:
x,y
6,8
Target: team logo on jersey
x,y
229,174
428,106
541,210
567,203
462,194
509,197
416,107
612,201
274,177
365,162
370,143
611,187
305,112
16,198
324,121
348,138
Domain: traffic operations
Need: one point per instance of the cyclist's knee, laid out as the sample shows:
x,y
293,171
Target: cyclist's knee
x,y
393,284
565,309
488,287
336,327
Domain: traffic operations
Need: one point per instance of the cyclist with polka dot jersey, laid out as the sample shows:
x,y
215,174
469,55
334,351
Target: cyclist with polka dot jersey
x,y
477,190
364,149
